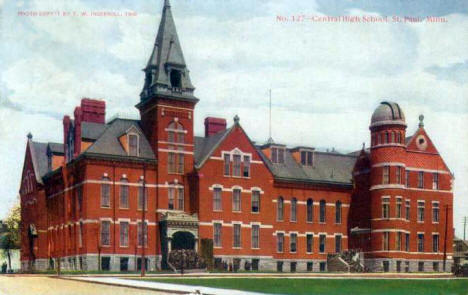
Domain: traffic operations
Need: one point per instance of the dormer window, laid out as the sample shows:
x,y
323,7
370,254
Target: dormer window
x,y
307,158
277,155
133,145
176,79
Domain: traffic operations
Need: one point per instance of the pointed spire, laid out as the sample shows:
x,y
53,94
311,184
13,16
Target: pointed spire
x,y
166,71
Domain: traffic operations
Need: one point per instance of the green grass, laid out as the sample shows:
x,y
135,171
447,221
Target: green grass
x,y
332,286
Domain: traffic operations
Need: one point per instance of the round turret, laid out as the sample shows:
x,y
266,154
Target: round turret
x,y
388,113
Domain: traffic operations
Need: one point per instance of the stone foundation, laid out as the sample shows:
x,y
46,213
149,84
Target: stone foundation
x,y
270,264
377,265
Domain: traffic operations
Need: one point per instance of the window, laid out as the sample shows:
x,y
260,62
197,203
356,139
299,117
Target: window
x,y
386,208
398,208
421,179
227,164
385,238
407,178
176,79
306,158
338,212
387,137
398,174
142,233
133,145
236,169
322,211
279,266
180,198
386,265
420,266
105,233
292,266
393,137
79,191
407,242
171,162
435,181
255,236
277,155
124,194
236,200
435,243
180,163
105,193
322,240
124,234
246,168
310,243
420,211
420,242
280,242
280,209
386,175
293,243
398,263
322,266
237,236
398,241
310,266
337,244
435,266
435,212
217,204
379,140
170,198
255,201
310,210
142,192
175,133
217,234
407,210
80,235
293,209
398,137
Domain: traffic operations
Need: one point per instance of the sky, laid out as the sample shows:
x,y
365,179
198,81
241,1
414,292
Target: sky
x,y
326,77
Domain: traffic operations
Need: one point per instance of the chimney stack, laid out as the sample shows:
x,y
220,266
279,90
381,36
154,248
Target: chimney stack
x,y
214,125
93,111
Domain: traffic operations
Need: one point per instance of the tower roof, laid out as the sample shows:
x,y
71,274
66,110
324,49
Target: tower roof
x,y
388,113
166,72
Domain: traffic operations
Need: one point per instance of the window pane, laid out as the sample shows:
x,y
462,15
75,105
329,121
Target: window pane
x,y
133,144
180,205
280,242
237,165
310,210
237,237
255,201
246,168
236,200
227,162
217,199
180,163
255,236
293,209
124,194
170,198
310,243
338,212
322,210
293,242
124,234
105,233
217,234
105,193
279,213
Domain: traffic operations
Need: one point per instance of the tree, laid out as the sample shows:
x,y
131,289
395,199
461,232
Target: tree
x,y
10,237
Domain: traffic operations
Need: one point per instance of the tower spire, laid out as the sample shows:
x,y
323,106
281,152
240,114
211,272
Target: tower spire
x,y
166,72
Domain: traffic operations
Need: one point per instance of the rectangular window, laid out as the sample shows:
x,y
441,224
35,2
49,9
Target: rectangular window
x,y
323,266
246,168
398,174
180,198
217,234
142,199
421,179
170,198
236,169
386,175
80,235
105,194
255,236
435,212
274,155
293,243
435,266
227,165
124,196
255,201
398,208
420,211
133,145
279,266
386,208
171,162
281,156
124,234
322,240
310,266
217,205
236,200
180,163
280,242
310,243
105,233
293,215
420,242
435,243
407,178
337,244
420,266
237,235
303,157
142,234
407,209
435,181
306,158
385,238
407,242
338,212
398,241
80,199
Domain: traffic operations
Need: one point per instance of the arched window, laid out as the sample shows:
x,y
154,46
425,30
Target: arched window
x,y
322,210
338,212
279,209
310,210
176,79
105,192
175,135
293,209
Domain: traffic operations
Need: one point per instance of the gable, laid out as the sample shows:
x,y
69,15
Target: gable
x,y
28,177
421,142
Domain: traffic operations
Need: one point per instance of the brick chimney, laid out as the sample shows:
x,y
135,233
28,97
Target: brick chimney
x,y
66,129
214,125
77,136
93,110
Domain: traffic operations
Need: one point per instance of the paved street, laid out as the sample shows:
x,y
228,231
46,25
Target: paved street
x,y
39,285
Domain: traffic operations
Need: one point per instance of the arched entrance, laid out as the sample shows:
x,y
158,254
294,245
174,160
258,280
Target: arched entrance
x,y
183,240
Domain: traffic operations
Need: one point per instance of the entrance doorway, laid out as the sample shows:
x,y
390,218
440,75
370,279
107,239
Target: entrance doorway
x,y
183,240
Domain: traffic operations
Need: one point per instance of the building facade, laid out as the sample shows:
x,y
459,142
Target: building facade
x,y
123,194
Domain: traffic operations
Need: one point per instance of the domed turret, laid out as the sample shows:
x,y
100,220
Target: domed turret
x,y
388,113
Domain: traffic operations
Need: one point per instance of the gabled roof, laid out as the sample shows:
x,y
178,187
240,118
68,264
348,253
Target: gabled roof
x,y
56,148
205,146
107,143
39,159
92,131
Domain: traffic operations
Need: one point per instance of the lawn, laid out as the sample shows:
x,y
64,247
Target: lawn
x,y
332,286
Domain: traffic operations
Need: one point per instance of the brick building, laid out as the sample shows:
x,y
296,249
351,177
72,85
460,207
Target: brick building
x,y
117,193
